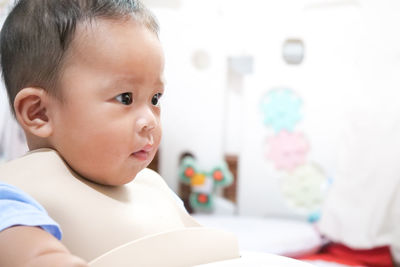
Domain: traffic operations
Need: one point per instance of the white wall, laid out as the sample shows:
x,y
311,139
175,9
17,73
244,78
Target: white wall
x,y
351,62
192,110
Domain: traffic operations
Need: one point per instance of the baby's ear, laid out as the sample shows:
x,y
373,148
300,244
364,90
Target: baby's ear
x,y
31,109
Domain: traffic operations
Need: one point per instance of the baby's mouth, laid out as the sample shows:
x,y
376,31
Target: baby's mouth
x,y
144,153
141,155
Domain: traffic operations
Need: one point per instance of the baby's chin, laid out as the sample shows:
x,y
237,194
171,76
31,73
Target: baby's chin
x,y
114,180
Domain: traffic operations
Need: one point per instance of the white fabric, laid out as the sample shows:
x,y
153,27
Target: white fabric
x,y
362,209
271,235
258,259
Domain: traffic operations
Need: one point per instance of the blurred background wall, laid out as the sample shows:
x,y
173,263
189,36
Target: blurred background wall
x,y
223,58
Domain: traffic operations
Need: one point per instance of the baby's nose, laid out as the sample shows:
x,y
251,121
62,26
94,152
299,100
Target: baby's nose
x,y
146,122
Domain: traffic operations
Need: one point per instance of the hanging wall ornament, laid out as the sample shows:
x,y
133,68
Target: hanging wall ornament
x,y
201,59
305,188
281,109
304,184
287,150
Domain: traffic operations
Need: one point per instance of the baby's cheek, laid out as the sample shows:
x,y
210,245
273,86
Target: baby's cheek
x,y
157,139
159,132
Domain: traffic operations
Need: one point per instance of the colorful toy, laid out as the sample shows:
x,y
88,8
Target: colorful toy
x,y
203,184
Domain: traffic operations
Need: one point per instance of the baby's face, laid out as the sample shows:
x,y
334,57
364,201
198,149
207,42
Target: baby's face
x,y
108,126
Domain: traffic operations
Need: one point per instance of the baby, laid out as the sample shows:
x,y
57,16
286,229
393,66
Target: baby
x,y
84,79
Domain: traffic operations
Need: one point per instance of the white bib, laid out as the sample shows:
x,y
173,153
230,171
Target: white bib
x,y
96,218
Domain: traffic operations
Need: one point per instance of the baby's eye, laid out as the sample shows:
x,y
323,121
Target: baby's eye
x,y
124,98
156,99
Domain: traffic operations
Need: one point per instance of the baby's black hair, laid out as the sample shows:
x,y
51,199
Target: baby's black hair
x,y
36,36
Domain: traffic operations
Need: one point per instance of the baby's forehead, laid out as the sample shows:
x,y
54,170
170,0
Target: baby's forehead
x,y
88,38
88,31
125,50
91,34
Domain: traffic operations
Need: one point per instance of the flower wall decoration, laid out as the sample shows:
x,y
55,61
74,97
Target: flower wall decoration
x,y
287,150
305,187
281,109
303,184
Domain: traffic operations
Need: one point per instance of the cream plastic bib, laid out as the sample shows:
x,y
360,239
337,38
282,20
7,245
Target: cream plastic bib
x,y
96,219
